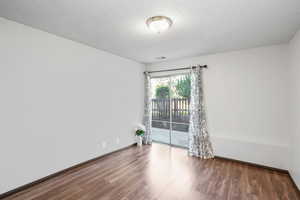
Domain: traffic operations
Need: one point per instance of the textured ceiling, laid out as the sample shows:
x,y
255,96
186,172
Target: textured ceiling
x,y
200,27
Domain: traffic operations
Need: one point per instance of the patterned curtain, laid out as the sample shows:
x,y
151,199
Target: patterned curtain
x,y
199,141
147,120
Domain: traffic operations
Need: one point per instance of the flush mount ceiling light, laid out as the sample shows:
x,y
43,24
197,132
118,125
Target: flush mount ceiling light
x,y
159,24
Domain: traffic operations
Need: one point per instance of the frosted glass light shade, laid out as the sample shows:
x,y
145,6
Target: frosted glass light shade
x,y
159,24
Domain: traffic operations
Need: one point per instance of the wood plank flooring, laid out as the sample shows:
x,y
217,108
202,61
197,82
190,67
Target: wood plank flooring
x,y
164,173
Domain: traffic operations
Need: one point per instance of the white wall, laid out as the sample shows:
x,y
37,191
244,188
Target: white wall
x,y
246,93
295,107
58,101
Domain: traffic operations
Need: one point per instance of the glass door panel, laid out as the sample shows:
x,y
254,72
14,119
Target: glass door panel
x,y
170,109
161,110
180,86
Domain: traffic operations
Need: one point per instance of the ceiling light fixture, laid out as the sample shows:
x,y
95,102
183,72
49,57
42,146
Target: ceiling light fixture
x,y
159,24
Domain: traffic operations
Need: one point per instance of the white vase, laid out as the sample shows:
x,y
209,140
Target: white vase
x,y
139,140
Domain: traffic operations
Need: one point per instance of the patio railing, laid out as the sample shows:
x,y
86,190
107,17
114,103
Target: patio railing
x,y
179,110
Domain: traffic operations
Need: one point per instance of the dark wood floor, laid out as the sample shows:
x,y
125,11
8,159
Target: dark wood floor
x,y
162,172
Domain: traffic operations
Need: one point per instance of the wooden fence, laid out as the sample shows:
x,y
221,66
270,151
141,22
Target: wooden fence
x,y
180,109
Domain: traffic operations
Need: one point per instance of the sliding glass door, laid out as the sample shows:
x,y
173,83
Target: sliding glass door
x,y
170,109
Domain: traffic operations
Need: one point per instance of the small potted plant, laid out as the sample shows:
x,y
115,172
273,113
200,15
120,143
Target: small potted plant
x,y
139,132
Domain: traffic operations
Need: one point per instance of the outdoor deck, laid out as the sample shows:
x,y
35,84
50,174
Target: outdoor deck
x,y
178,138
175,113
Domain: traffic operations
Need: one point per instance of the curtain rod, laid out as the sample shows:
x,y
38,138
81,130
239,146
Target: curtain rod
x,y
176,69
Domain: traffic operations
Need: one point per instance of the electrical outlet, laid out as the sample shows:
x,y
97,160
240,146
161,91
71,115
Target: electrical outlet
x,y
103,144
118,140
